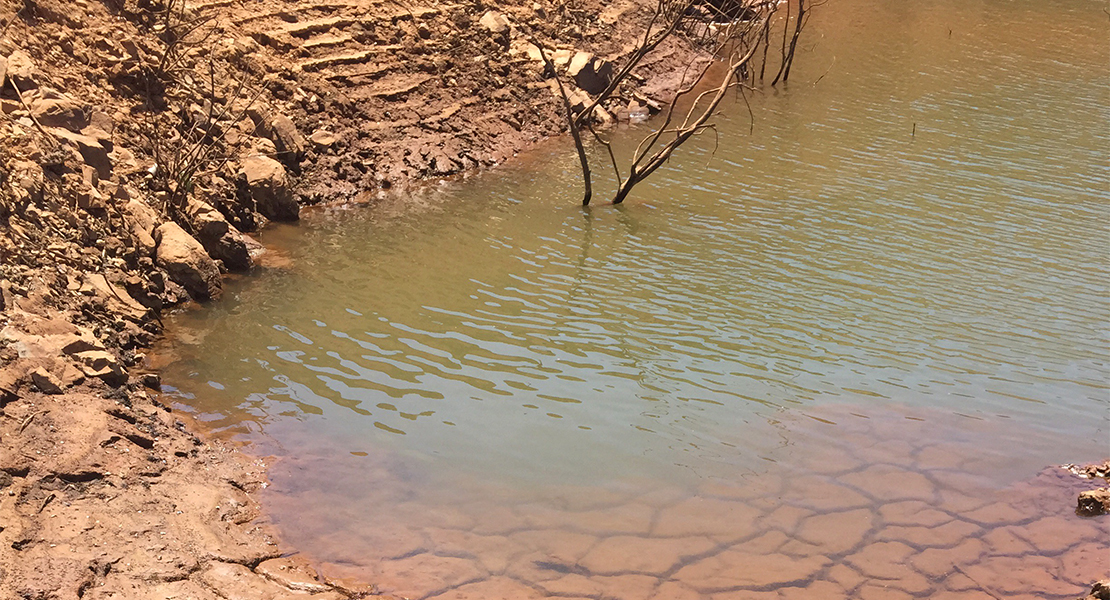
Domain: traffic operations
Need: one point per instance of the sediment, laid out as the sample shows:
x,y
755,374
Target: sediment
x,y
144,145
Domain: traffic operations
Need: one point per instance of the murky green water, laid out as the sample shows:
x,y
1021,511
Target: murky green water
x,y
913,234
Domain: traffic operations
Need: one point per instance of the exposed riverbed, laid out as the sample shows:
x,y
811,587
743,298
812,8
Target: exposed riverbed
x,y
827,357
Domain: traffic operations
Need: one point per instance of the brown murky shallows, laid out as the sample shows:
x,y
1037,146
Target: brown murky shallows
x,y
867,503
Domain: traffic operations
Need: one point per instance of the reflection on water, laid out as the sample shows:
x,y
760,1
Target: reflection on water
x,y
499,394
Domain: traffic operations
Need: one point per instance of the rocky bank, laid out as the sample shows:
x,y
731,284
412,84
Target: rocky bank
x,y
144,144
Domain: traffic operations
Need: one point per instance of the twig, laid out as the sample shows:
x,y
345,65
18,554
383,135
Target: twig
x,y
47,501
34,119
12,20
27,421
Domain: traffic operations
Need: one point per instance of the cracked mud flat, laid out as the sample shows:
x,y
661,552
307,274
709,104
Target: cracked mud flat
x,y
114,498
872,504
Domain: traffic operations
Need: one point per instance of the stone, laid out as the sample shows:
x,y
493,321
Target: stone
x,y
63,112
1100,590
288,140
184,258
141,220
100,363
590,73
322,138
237,581
3,71
494,22
94,152
1093,503
22,71
295,574
220,239
269,188
45,381
115,298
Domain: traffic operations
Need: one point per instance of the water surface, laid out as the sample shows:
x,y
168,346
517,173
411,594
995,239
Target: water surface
x,y
826,357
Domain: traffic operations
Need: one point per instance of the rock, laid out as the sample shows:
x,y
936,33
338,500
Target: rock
x,y
184,258
269,188
94,152
590,73
494,22
3,71
114,298
62,112
220,239
22,71
1099,591
260,124
293,573
151,380
47,383
141,220
102,121
322,138
1093,503
290,143
100,363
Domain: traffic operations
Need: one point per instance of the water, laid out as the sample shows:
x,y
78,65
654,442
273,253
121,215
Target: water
x,y
826,357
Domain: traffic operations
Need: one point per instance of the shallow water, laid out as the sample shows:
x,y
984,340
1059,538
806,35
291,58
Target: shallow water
x,y
825,358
